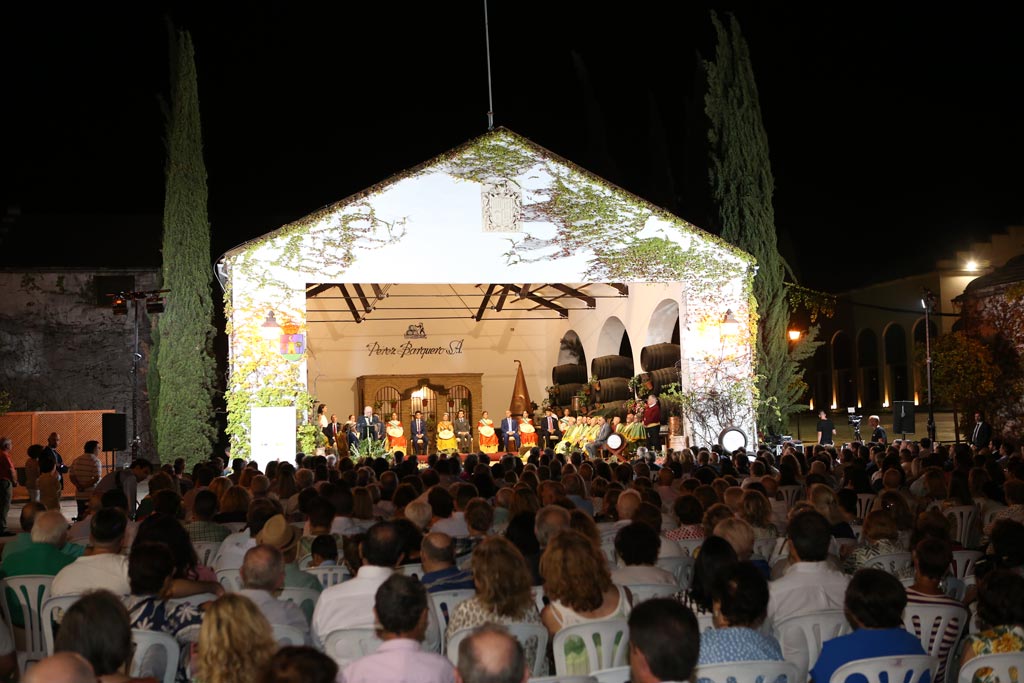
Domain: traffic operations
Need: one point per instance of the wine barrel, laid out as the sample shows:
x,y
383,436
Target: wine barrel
x,y
563,396
612,366
659,379
612,408
614,389
569,373
659,356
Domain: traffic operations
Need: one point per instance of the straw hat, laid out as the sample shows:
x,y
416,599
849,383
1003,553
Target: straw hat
x,y
278,533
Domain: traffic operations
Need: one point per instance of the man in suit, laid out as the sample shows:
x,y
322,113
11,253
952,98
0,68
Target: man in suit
x,y
602,437
332,430
419,434
550,434
369,426
510,432
981,435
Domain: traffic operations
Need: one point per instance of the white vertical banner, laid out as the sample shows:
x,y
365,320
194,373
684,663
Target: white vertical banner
x,y
273,435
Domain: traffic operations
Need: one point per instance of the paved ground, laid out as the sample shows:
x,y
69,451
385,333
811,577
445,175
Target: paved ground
x,y
805,426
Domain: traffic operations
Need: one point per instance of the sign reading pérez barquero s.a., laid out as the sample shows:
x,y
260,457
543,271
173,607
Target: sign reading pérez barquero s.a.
x,y
453,348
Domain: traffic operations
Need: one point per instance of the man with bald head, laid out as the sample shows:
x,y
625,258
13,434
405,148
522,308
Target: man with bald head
x,y
626,506
42,556
262,574
440,573
63,667
491,655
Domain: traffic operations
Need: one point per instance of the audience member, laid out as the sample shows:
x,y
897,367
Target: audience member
x,y
637,546
740,600
299,665
63,667
202,528
127,480
98,629
235,641
402,613
233,548
106,568
1001,613
86,471
42,557
263,576
874,602
280,534
440,573
664,642
491,655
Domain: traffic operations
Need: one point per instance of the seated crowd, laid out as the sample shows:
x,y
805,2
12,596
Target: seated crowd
x,y
703,558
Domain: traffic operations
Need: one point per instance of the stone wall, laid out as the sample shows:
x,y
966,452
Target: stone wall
x,y
62,350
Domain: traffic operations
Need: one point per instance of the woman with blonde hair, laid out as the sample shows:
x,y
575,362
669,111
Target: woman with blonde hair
x,y
233,506
577,581
503,593
881,537
235,641
219,485
824,500
756,510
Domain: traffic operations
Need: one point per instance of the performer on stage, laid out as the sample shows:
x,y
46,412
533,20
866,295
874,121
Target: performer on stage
x,y
510,432
396,435
463,433
332,430
321,416
446,434
527,432
419,434
369,426
550,430
652,423
488,439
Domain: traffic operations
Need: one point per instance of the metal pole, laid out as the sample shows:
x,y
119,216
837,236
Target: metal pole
x,y
928,302
490,93
136,357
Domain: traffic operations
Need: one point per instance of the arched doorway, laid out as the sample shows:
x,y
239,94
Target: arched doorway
x,y
842,365
867,364
898,384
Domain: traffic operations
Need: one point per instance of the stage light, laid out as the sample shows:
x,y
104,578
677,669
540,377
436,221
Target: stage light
x,y
794,335
120,305
971,265
154,304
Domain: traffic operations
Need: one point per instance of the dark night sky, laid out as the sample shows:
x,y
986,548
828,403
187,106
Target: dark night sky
x,y
895,135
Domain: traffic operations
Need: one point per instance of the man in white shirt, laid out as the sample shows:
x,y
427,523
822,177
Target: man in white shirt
x,y
262,574
449,516
811,584
350,604
402,610
232,549
106,568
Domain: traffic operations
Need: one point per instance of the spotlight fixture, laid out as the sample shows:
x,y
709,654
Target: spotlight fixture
x,y
270,330
120,305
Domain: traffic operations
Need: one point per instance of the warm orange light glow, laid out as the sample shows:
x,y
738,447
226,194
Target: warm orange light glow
x,y
834,406
916,402
971,265
812,405
794,335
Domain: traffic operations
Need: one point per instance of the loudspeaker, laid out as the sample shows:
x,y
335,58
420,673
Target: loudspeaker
x,y
903,417
115,432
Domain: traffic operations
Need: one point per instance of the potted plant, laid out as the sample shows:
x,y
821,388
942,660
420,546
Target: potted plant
x,y
672,405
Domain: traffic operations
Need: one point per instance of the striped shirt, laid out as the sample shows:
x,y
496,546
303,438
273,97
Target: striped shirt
x,y
953,627
86,471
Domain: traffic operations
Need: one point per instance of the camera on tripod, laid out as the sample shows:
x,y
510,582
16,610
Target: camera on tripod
x,y
854,421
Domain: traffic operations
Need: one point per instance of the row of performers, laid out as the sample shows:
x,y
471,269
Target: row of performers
x,y
512,434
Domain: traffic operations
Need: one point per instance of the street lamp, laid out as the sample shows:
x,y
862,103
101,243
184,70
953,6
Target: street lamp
x,y
927,303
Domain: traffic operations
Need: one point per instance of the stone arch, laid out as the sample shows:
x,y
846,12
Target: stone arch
x,y
570,349
894,344
867,368
663,327
610,340
845,387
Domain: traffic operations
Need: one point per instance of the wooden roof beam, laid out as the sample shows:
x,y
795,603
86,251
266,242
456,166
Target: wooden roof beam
x,y
483,303
350,302
563,312
590,301
362,297
502,297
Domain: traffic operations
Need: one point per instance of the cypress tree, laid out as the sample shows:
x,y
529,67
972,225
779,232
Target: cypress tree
x,y
741,186
184,421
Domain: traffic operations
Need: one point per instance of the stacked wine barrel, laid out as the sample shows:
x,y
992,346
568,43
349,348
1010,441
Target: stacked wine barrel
x,y
659,363
569,379
613,374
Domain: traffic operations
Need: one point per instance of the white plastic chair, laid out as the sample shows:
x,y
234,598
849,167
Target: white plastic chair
x,y
233,527
801,636
305,598
865,501
896,668
288,635
705,621
521,632
690,545
618,674
963,517
611,636
930,623
206,551
963,562
330,575
1002,666
764,548
538,597
681,567
648,591
304,562
413,570
231,579
990,516
156,654
891,562
858,531
53,611
31,591
791,493
748,672
346,645
563,679
443,603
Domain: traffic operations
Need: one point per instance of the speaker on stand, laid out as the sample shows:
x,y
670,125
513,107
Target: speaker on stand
x,y
115,435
